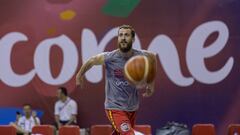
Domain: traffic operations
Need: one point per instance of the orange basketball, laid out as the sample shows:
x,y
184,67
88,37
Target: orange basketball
x,y
140,69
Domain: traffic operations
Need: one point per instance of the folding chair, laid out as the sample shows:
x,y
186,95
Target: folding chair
x,y
203,129
43,129
145,129
69,130
101,130
7,130
233,128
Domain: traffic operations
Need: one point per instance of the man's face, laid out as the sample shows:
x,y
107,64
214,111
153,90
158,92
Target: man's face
x,y
125,39
27,110
59,94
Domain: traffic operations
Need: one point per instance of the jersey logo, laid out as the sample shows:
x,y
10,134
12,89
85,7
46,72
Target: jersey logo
x,y
125,127
118,73
123,83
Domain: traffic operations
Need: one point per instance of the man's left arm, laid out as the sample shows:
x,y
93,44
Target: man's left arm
x,y
73,118
35,118
150,88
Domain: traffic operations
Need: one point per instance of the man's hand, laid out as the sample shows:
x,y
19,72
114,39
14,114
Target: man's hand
x,y
34,114
149,91
59,125
141,86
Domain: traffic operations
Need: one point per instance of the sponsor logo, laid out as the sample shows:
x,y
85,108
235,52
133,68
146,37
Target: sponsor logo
x,y
123,83
162,45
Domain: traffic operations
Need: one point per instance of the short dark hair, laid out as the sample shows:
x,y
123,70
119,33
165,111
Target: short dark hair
x,y
124,26
63,90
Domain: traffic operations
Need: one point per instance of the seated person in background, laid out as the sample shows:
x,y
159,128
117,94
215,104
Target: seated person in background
x,y
65,109
18,116
26,122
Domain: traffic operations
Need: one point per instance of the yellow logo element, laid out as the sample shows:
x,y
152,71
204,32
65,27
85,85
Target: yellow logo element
x,y
67,15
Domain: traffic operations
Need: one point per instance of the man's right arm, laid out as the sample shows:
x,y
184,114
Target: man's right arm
x,y
95,60
57,119
18,127
56,115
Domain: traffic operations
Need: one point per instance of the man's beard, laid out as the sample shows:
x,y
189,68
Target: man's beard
x,y
125,49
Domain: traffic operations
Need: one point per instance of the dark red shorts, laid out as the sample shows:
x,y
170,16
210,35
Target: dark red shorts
x,y
122,121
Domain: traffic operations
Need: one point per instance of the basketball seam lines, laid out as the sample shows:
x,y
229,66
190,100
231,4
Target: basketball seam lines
x,y
146,68
126,72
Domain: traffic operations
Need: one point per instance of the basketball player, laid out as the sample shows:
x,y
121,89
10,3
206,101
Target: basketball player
x,y
121,98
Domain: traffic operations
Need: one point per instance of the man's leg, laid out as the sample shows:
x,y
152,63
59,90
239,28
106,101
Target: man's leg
x,y
132,117
120,122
